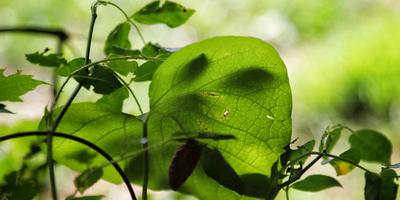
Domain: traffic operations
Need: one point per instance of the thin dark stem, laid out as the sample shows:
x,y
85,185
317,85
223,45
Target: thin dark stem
x,y
145,163
82,141
57,121
342,159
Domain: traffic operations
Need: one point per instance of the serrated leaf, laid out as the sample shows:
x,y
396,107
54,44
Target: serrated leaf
x,y
16,85
343,167
238,83
372,145
301,151
183,163
169,13
381,186
146,71
4,110
46,60
330,138
315,183
87,179
115,132
103,80
118,37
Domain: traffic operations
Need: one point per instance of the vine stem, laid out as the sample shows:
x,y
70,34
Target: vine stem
x,y
127,18
57,121
145,163
82,141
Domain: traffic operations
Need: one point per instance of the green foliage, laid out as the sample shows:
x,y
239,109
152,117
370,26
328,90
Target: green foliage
x,y
15,85
46,60
169,13
314,183
18,188
93,197
115,132
88,178
104,80
330,138
119,37
381,186
72,66
343,167
372,145
300,154
191,92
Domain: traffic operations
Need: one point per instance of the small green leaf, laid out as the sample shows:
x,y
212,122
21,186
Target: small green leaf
x,y
183,163
381,186
46,60
169,13
330,138
154,50
119,37
115,99
123,67
94,197
15,85
372,145
343,167
316,183
103,80
73,65
216,167
146,71
295,155
88,178
4,110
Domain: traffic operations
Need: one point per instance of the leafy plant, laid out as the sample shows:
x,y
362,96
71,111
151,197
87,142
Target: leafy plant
x,y
219,124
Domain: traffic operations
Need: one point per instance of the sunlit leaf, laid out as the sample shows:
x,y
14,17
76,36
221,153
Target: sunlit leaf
x,y
46,60
15,85
169,13
118,37
381,186
315,183
232,85
123,67
343,167
372,145
87,179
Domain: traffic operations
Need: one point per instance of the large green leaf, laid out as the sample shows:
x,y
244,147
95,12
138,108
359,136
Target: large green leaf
x,y
381,186
115,132
372,145
15,85
226,85
169,13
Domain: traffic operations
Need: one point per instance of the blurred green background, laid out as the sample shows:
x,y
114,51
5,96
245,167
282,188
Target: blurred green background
x,y
343,59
